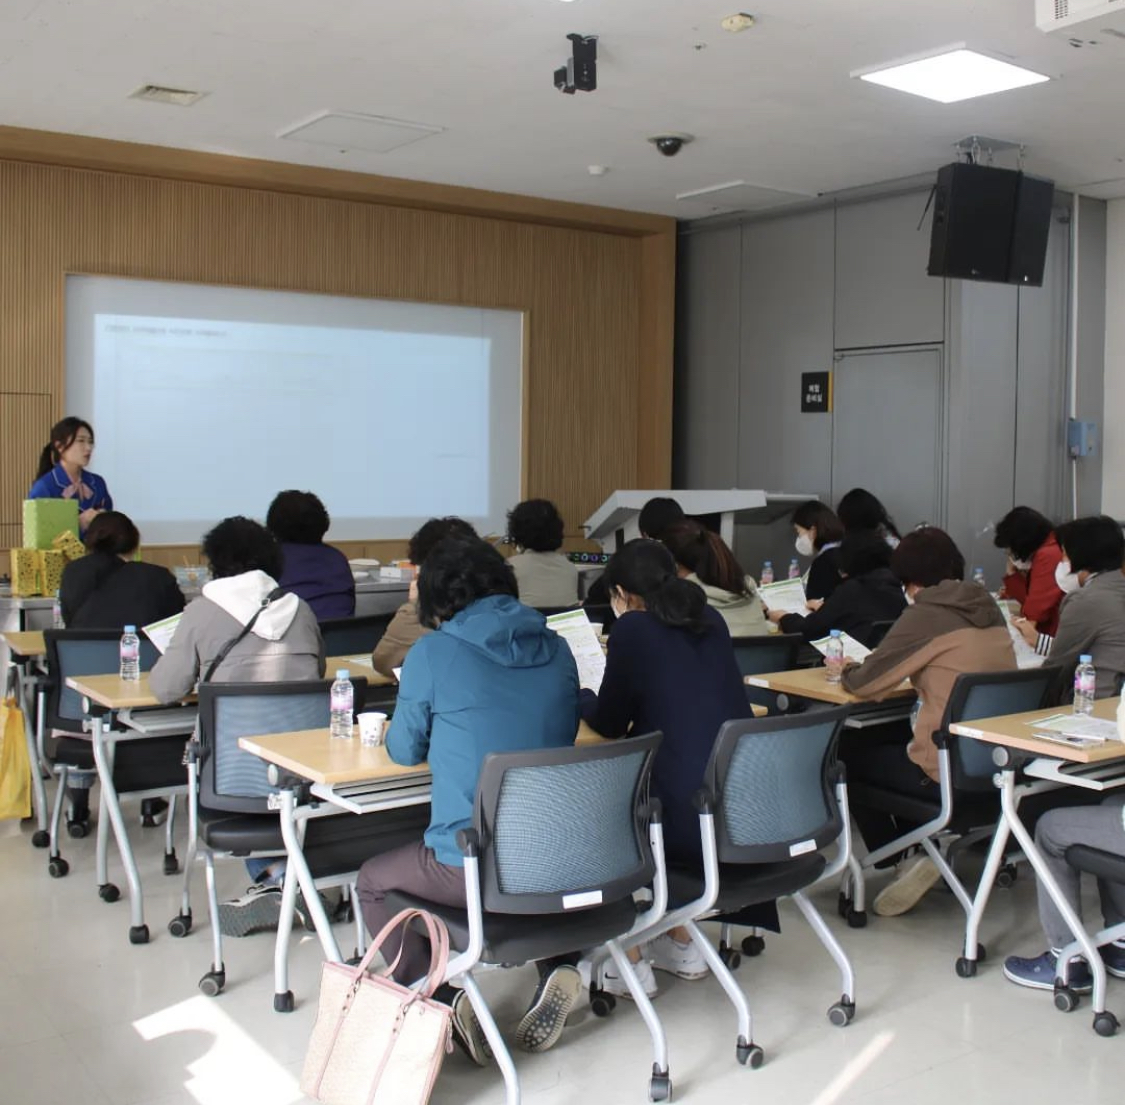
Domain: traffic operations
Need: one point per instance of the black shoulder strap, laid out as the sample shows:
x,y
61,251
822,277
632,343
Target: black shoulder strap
x,y
276,593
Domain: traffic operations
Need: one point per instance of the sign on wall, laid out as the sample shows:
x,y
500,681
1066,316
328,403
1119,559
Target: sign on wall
x,y
816,392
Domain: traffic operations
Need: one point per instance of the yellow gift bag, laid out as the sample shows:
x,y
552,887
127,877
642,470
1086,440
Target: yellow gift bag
x,y
15,767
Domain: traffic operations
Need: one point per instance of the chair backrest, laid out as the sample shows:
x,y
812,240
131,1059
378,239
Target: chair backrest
x,y
773,781
564,828
231,778
877,632
72,652
989,694
600,614
348,636
767,652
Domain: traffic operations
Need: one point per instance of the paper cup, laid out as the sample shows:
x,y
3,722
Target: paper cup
x,y
372,727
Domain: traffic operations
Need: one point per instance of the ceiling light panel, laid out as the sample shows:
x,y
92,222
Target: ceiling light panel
x,y
955,74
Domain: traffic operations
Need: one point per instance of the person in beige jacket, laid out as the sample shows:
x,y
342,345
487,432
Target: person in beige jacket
x,y
404,628
950,628
703,558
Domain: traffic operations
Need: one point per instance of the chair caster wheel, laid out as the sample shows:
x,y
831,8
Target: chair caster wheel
x,y
749,1055
180,925
753,946
660,1086
108,892
966,968
171,864
841,1013
1006,876
212,983
601,1003
77,830
1066,1000
731,957
1106,1024
982,953
138,934
40,838
283,1003
843,904
57,867
856,918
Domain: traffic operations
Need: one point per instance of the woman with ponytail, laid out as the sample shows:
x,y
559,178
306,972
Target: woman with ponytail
x,y
670,666
63,475
704,558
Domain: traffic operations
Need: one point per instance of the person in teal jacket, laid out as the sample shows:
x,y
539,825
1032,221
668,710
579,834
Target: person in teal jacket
x,y
490,678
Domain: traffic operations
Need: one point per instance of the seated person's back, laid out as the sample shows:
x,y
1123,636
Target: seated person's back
x,y
869,592
310,569
107,588
670,667
544,575
284,642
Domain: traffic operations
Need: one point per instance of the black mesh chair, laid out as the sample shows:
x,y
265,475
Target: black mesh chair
x,y
229,809
1106,867
768,806
354,636
965,807
561,840
767,652
144,768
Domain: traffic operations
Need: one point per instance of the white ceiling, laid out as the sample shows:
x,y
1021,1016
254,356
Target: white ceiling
x,y
773,107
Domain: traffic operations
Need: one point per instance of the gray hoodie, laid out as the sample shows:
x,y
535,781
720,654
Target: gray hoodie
x,y
742,613
284,644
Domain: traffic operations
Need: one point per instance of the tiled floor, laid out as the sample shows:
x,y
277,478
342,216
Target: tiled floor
x,y
87,1018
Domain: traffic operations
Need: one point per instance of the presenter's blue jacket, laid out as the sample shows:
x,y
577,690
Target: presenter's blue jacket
x,y
493,678
56,485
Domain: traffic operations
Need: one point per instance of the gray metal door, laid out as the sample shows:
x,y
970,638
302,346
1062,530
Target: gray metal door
x,y
887,431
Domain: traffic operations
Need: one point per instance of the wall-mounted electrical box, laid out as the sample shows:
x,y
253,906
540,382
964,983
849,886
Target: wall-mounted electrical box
x,y
1081,438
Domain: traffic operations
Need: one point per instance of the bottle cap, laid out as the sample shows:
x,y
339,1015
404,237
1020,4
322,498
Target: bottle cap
x,y
130,629
1085,659
834,633
769,562
343,673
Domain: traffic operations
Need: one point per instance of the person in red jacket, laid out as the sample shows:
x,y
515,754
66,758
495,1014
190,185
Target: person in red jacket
x,y
1033,555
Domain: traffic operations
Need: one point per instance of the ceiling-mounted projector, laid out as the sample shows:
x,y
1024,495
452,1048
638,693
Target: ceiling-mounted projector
x,y
1092,16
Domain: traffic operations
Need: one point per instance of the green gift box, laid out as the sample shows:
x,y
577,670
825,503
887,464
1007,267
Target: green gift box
x,y
45,519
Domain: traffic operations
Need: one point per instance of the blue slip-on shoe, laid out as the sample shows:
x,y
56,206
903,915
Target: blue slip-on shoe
x,y
1113,956
1039,973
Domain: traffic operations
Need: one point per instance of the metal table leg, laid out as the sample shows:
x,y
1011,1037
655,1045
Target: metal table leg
x,y
297,865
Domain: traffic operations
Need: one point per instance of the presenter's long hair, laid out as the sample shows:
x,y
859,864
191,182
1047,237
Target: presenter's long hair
x,y
645,568
62,438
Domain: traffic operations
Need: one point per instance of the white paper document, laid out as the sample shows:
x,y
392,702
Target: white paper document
x,y
786,596
160,633
853,649
1026,656
574,627
362,661
1096,730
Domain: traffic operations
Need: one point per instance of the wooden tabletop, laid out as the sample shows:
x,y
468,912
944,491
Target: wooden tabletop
x,y
115,693
813,683
1017,731
359,667
27,643
313,754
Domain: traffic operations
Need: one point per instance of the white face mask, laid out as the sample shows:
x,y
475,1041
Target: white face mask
x,y
908,596
1065,579
618,607
1021,565
804,545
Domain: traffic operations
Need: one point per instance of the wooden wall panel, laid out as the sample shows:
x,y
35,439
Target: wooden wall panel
x,y
597,344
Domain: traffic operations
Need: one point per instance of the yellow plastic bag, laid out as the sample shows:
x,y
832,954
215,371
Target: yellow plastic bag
x,y
15,767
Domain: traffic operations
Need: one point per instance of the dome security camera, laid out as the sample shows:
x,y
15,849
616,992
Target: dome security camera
x,y
670,144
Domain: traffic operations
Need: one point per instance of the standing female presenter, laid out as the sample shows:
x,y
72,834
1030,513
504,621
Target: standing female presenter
x,y
63,474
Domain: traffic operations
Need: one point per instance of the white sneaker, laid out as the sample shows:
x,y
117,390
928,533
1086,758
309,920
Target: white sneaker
x,y
681,960
907,889
611,981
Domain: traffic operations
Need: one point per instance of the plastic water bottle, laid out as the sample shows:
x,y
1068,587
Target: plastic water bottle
x,y
834,657
767,572
1085,683
794,569
56,613
130,653
978,577
342,699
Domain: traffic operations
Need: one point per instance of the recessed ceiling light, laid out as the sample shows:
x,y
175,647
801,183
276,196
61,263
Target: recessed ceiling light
x,y
952,75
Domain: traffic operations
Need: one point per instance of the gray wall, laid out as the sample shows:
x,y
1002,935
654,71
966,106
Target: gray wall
x,y
761,300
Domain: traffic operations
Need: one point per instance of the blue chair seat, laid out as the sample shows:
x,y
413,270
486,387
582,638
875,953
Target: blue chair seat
x,y
521,938
743,885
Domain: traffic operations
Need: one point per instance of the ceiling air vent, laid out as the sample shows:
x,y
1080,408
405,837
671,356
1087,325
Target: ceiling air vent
x,y
158,94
